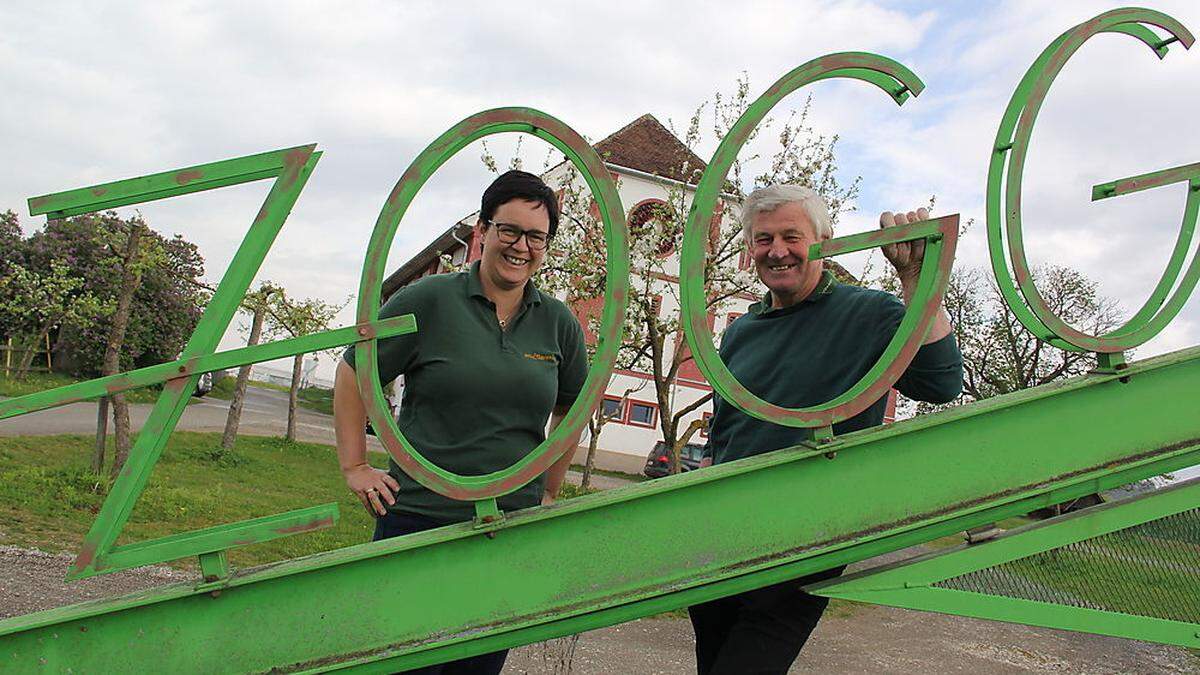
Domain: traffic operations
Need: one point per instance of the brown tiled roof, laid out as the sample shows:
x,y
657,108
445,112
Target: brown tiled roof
x,y
646,145
643,145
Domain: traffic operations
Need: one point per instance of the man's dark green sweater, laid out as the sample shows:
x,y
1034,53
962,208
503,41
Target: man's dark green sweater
x,y
813,351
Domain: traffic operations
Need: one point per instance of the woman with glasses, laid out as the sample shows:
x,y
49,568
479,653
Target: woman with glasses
x,y
493,359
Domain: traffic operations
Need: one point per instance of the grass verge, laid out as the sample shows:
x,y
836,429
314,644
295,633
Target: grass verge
x,y
315,398
49,496
631,477
258,384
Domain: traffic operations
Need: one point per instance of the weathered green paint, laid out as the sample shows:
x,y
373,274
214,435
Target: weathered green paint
x,y
865,241
1004,194
216,539
291,168
911,584
509,579
580,564
162,185
940,235
164,372
214,566
604,190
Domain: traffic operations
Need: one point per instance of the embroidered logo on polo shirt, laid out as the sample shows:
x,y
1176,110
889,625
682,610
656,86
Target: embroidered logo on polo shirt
x,y
541,357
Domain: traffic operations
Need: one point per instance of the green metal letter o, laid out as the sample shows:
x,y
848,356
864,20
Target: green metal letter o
x,y
1004,194
941,237
592,168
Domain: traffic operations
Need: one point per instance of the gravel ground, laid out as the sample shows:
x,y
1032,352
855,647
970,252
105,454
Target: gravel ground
x,y
851,639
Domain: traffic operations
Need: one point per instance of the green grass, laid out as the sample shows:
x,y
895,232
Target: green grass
x,y
223,388
31,383
632,477
843,609
316,398
949,541
1015,522
49,496
267,385
570,491
1114,571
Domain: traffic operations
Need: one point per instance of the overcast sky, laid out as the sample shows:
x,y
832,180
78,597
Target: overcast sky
x,y
97,92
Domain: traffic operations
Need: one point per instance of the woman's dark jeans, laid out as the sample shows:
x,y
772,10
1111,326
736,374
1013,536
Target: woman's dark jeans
x,y
397,524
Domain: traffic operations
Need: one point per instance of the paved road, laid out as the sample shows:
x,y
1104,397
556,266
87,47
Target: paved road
x,y
264,413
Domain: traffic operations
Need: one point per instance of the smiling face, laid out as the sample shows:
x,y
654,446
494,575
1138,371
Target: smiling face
x,y
509,266
778,242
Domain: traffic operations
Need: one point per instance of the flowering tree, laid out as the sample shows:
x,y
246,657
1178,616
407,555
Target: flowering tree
x,y
34,302
167,300
999,355
258,304
654,341
296,318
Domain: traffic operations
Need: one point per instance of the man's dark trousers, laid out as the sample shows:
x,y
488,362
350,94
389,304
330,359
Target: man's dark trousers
x,y
758,632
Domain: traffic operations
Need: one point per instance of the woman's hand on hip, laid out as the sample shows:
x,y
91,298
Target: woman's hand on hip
x,y
375,488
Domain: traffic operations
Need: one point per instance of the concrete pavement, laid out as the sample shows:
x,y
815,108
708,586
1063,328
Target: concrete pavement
x,y
264,413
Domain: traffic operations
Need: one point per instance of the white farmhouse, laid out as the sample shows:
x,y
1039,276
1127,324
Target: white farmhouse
x,y
646,160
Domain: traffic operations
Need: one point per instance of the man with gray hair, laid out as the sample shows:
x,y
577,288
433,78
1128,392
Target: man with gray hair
x,y
806,342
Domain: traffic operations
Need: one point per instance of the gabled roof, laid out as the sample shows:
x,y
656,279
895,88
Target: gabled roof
x,y
642,145
446,241
646,145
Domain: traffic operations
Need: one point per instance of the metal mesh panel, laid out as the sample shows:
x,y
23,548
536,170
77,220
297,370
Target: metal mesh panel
x,y
1152,569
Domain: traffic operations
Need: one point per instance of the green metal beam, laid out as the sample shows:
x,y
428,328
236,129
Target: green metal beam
x,y
913,584
548,570
291,168
163,185
216,539
163,372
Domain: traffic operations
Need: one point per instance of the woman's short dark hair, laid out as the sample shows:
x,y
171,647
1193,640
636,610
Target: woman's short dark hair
x,y
516,184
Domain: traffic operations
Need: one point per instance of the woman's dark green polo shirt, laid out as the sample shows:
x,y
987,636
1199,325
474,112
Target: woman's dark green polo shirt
x,y
477,398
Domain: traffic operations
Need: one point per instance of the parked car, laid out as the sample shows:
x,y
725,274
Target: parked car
x,y
205,385
658,462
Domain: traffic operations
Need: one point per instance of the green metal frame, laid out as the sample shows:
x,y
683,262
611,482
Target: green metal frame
x,y
617,555
514,578
940,235
912,584
1004,194
484,489
290,168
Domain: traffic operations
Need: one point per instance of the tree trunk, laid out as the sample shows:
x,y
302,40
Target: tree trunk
x,y
681,439
239,389
671,439
121,442
594,427
116,338
293,395
29,352
101,435
677,448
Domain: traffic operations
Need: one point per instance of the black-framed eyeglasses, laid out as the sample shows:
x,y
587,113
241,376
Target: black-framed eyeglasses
x,y
509,234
